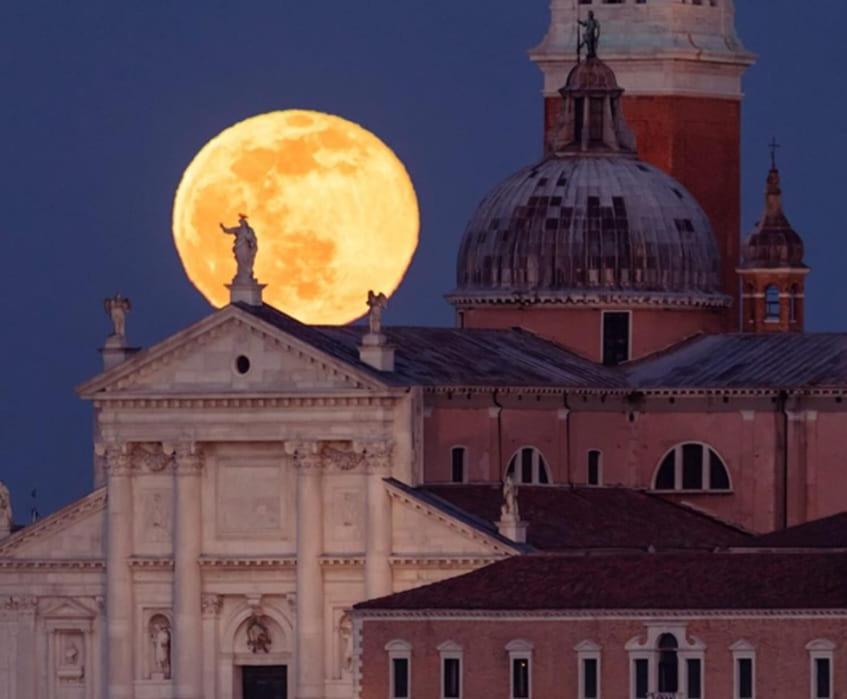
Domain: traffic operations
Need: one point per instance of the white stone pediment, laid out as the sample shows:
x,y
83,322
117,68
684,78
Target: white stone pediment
x,y
425,531
66,609
73,533
230,352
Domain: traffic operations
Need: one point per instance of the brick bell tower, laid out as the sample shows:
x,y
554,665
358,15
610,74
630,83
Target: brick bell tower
x,y
773,273
681,63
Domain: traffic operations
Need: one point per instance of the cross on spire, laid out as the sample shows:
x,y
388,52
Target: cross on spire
x,y
774,146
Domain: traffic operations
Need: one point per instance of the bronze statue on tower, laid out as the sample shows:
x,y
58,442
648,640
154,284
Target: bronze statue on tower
x,y
590,36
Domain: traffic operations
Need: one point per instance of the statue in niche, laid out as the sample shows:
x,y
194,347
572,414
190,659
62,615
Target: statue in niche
x,y
509,510
245,247
258,637
376,305
5,510
71,669
345,635
117,308
590,36
160,638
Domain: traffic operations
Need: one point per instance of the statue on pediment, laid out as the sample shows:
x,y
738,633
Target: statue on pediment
x,y
5,510
376,306
117,307
509,510
244,247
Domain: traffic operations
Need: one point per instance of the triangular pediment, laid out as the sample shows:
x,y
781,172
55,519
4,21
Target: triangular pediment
x,y
65,608
230,352
73,533
423,528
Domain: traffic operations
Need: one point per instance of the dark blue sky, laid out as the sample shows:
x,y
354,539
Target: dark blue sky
x,y
105,103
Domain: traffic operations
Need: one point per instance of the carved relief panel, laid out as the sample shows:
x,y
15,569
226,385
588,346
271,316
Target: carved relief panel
x,y
252,499
346,511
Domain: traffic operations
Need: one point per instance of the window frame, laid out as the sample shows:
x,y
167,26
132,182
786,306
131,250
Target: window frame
x,y
688,648
705,465
821,649
519,650
599,483
743,650
465,451
771,304
399,650
603,315
538,459
449,650
588,650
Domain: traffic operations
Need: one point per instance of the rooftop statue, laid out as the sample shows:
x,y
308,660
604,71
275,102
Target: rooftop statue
x,y
509,510
116,308
5,509
376,305
244,248
591,36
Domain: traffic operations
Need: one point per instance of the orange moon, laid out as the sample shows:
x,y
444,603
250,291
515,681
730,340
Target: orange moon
x,y
334,211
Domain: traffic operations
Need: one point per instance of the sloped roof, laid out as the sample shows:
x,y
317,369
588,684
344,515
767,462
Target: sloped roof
x,y
565,518
428,356
691,581
776,361
827,533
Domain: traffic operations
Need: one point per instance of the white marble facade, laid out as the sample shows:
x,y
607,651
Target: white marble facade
x,y
236,519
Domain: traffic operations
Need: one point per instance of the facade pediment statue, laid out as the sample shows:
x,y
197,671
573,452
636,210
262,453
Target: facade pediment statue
x,y
117,307
245,247
258,636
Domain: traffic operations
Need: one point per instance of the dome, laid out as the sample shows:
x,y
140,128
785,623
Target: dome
x,y
582,227
774,243
591,74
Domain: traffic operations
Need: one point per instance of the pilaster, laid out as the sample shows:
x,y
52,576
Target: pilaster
x,y
378,580
211,608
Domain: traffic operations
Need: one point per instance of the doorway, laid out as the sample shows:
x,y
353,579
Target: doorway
x,y
264,682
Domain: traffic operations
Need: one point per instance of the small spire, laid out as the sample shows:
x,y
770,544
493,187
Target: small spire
x,y
774,146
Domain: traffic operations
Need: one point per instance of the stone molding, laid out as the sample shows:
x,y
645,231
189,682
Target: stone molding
x,y
150,456
243,401
371,456
253,563
19,603
48,564
606,614
211,604
599,298
625,391
89,504
342,561
443,562
139,563
118,458
188,459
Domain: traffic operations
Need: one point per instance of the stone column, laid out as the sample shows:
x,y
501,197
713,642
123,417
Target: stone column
x,y
211,605
119,593
188,628
26,659
310,590
378,582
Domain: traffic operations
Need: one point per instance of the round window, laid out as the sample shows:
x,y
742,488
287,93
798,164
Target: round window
x,y
242,364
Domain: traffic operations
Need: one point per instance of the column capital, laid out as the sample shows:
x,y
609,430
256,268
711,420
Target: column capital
x,y
305,456
211,605
117,457
187,458
377,455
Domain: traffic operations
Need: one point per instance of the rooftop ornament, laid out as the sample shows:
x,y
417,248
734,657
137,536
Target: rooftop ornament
x,y
590,38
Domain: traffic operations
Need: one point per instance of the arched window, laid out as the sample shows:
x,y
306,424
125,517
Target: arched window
x,y
458,470
595,467
692,466
668,664
528,466
772,303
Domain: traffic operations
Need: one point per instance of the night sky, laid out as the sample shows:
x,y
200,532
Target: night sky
x,y
105,103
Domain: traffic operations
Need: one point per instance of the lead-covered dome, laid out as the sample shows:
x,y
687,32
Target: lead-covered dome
x,y
586,224
591,223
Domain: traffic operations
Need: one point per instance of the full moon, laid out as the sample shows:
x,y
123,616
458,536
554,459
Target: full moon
x,y
334,211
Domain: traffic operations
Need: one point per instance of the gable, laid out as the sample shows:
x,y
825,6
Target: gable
x,y
421,530
74,532
229,352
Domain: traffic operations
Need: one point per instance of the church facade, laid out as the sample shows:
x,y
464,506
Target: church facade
x,y
255,478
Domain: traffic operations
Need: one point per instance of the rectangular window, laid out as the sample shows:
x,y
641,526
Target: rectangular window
x,y
594,467
400,678
589,679
744,678
823,684
520,678
452,674
458,464
526,466
642,678
615,338
695,678
692,467
595,106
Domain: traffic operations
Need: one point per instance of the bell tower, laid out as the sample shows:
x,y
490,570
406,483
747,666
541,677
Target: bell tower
x,y
772,271
681,64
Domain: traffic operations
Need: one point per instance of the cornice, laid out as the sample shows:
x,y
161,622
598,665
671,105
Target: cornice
x,y
243,400
251,563
593,298
601,614
47,565
56,521
833,392
340,561
150,563
464,562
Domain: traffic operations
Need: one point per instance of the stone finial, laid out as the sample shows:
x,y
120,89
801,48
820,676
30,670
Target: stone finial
x,y
116,349
244,287
510,524
375,350
5,511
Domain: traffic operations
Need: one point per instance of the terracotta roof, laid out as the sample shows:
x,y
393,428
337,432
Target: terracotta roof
x,y
565,518
696,581
827,533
